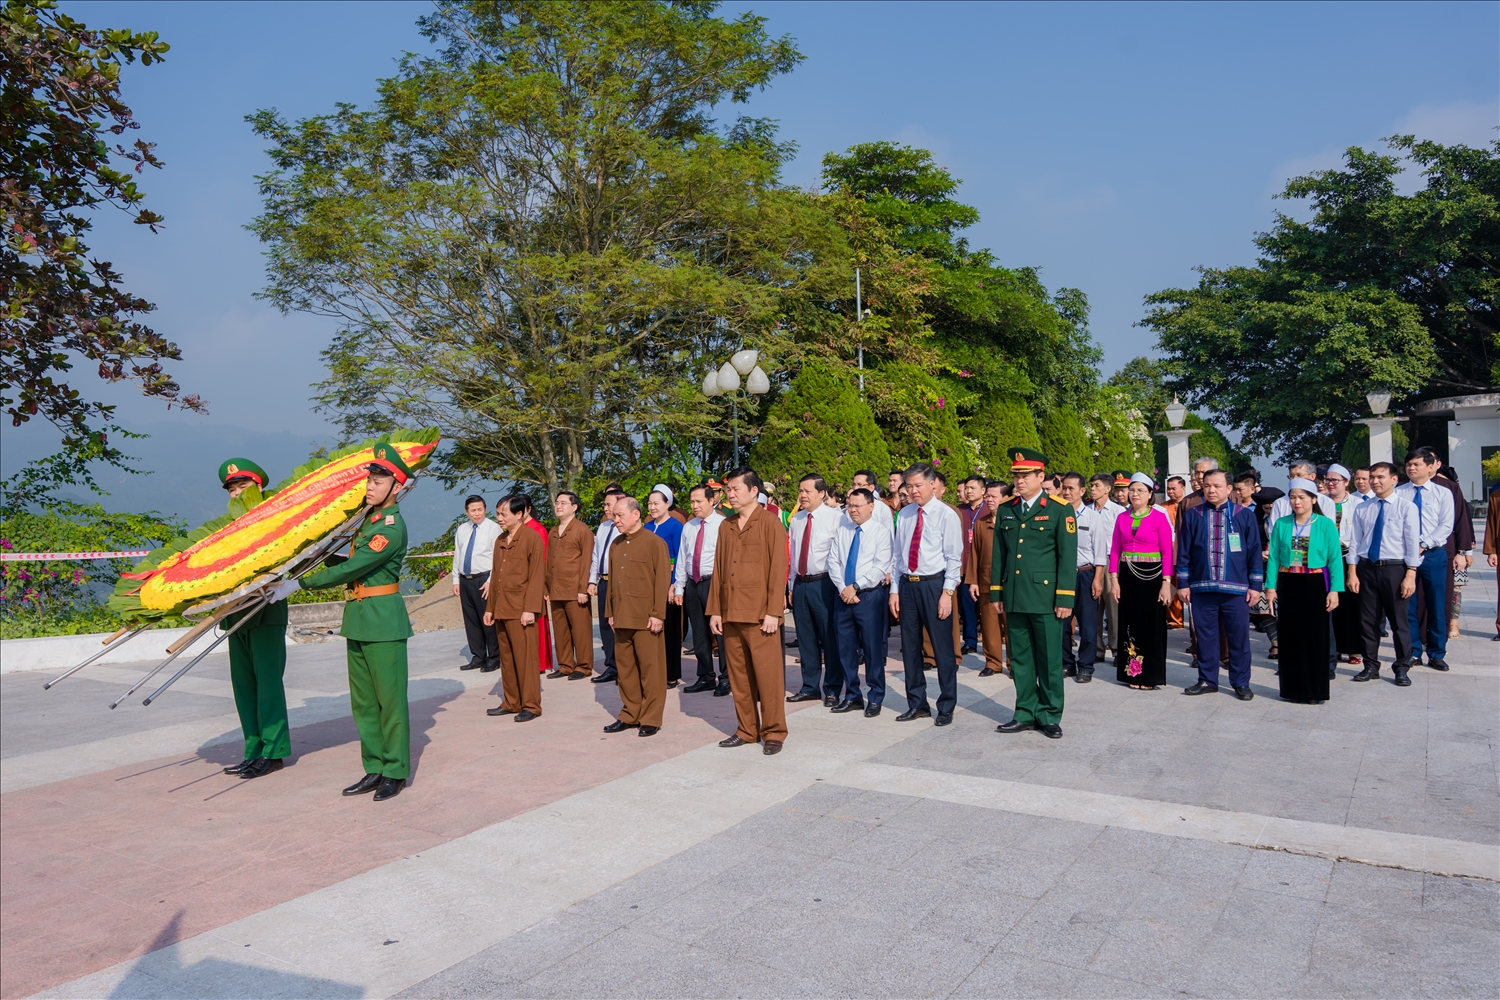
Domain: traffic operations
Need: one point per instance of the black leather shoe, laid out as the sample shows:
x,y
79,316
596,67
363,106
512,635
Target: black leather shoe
x,y
1015,726
871,711
1402,681
771,747
1243,694
237,768
472,665
647,730
986,672
1437,663
733,740
701,684
1367,674
389,788
1332,673
1084,676
1052,732
524,716
969,648
943,719
722,691
1200,688
1070,672
609,675
261,767
914,713
672,684
801,696
498,710
578,675
366,784
619,727
830,700
554,675
847,705
489,668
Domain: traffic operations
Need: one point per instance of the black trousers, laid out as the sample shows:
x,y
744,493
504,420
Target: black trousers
x,y
705,644
919,610
1380,597
606,631
673,634
483,644
812,604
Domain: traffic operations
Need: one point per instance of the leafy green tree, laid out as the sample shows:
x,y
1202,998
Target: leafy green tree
x,y
1378,289
920,422
820,425
999,426
533,235
60,109
1066,443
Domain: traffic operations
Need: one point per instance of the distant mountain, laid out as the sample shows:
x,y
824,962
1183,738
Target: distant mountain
x,y
182,457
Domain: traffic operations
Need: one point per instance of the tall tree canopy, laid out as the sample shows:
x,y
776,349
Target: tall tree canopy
x,y
1378,289
60,110
532,236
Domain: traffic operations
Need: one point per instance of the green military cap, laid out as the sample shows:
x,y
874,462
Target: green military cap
x,y
242,468
388,461
1027,460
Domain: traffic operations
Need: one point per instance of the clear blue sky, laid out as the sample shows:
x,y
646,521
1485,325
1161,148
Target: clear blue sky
x,y
1113,146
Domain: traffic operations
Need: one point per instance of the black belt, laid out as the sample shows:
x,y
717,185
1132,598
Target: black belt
x,y
914,578
474,576
702,579
812,577
1085,566
868,590
1382,562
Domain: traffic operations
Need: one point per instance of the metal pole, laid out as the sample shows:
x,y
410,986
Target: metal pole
x,y
251,613
859,319
107,649
734,426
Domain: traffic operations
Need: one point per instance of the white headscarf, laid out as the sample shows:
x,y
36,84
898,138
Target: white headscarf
x,y
1338,470
1307,485
665,491
1141,477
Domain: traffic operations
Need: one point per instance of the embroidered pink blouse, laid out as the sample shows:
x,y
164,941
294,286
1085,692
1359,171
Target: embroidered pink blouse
x,y
1154,535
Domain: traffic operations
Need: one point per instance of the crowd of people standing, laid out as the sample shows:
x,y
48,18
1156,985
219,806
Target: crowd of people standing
x,y
1325,568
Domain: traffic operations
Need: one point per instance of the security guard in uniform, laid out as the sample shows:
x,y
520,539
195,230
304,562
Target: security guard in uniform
x,y
1032,574
257,651
375,628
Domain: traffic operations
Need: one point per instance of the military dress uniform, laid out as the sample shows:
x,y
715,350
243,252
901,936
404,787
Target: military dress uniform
x,y
1033,572
375,629
257,657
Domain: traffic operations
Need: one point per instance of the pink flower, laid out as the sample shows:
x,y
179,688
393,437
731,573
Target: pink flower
x,y
1135,668
964,373
941,401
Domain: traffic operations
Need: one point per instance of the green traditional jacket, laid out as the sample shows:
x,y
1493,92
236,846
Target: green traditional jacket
x,y
374,558
1036,556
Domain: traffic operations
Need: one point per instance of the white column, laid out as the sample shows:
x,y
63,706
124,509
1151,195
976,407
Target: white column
x,y
1178,454
1380,438
1472,429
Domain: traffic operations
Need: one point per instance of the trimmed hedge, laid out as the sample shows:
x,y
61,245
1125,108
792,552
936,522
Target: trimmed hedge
x,y
820,425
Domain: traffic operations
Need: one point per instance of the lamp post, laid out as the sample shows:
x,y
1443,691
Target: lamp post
x,y
725,381
1381,446
1179,453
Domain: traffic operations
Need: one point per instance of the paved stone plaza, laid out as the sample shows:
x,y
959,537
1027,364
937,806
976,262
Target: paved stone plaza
x,y
1167,846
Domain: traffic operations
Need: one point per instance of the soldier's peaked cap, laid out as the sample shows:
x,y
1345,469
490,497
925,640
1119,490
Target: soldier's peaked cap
x,y
388,461
242,468
1027,460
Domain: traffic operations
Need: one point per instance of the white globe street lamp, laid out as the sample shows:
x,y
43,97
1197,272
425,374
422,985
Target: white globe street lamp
x,y
726,381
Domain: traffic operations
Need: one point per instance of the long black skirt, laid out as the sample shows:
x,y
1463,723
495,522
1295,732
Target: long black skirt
x,y
1346,635
1300,600
1143,626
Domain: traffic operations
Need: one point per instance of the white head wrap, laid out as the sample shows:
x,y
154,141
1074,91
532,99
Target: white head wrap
x,y
1141,477
665,491
1338,470
1306,485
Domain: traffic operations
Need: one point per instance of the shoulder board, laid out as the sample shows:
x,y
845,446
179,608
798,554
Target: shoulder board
x,y
1056,499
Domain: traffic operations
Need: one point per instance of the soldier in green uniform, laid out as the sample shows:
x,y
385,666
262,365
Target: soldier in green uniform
x,y
257,652
375,628
1034,596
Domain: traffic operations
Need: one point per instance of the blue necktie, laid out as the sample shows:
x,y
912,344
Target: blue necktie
x,y
1417,496
469,552
852,563
1378,533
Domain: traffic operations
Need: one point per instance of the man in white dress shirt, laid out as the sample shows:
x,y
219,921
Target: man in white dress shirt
x,y
928,565
1435,514
812,595
473,550
1299,468
599,583
859,564
1093,563
695,571
1106,510
1385,553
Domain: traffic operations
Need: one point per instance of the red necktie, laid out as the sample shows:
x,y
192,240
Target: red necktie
x,y
916,543
806,544
698,552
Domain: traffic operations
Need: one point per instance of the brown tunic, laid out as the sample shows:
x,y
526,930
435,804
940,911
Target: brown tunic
x,y
518,576
568,555
750,567
977,566
640,573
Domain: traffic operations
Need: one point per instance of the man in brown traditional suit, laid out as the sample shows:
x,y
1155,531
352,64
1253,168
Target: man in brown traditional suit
x,y
640,574
746,601
976,578
569,549
517,585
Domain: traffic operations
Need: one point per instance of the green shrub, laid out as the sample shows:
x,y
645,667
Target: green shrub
x,y
1065,443
996,427
920,422
820,425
